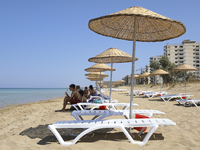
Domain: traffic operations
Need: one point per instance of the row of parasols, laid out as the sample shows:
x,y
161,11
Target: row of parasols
x,y
134,24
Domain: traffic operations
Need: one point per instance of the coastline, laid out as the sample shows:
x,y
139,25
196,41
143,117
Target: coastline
x,y
26,126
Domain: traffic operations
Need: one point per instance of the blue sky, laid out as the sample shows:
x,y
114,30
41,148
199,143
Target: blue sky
x,y
47,43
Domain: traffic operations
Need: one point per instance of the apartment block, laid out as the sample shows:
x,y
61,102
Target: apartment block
x,y
187,52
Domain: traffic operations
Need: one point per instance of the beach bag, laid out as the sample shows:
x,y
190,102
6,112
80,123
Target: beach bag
x,y
98,100
137,116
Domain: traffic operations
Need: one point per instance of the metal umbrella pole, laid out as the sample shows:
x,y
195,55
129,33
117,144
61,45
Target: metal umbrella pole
x,y
100,80
111,78
133,68
185,83
160,83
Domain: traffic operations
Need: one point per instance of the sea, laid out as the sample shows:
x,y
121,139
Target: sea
x,y
17,96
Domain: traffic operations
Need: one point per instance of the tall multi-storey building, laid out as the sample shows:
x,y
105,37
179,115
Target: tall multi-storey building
x,y
155,79
187,52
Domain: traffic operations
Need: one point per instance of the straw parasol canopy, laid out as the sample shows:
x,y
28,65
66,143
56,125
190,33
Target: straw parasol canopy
x,y
158,72
185,67
95,79
135,76
143,75
112,55
99,67
137,24
150,26
96,74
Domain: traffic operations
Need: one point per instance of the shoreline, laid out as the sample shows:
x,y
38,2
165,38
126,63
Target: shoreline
x,y
28,103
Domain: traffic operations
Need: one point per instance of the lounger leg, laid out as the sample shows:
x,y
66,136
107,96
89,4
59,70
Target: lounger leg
x,y
146,138
57,135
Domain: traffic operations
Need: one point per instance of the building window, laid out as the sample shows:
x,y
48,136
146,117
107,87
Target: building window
x,y
180,46
175,46
197,45
168,54
197,50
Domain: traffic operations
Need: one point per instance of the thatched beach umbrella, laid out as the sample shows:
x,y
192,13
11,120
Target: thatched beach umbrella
x,y
159,72
95,78
99,67
96,74
112,55
185,67
137,24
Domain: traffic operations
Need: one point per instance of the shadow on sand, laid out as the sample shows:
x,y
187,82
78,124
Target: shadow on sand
x,y
47,137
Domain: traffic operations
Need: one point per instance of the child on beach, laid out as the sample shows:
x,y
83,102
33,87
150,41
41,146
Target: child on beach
x,y
73,99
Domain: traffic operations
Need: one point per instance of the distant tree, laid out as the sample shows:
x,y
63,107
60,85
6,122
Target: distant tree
x,y
155,65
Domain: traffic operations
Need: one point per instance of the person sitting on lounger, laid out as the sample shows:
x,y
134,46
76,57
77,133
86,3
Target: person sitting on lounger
x,y
92,91
83,99
86,92
73,99
78,88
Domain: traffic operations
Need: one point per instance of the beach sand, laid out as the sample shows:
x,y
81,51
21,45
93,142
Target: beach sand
x,y
24,127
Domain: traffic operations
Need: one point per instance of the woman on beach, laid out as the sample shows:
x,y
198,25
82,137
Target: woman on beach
x,y
83,99
73,99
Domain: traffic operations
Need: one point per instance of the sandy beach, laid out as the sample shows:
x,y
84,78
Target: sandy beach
x,y
25,126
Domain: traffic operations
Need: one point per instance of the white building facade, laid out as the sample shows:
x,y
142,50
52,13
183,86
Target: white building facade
x,y
187,52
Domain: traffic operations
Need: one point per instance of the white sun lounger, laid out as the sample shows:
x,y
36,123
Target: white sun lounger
x,y
101,114
152,94
92,125
138,92
112,106
167,98
189,102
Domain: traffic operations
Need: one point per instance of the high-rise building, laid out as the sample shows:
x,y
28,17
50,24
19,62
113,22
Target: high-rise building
x,y
187,52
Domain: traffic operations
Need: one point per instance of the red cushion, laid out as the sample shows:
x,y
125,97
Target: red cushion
x,y
137,116
102,107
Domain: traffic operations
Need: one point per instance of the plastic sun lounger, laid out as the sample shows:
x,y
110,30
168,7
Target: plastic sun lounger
x,y
167,98
113,106
92,125
189,101
139,92
106,100
152,94
101,114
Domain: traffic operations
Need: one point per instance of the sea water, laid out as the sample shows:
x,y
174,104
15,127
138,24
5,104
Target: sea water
x,y
18,96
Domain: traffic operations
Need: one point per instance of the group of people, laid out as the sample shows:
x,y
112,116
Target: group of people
x,y
78,95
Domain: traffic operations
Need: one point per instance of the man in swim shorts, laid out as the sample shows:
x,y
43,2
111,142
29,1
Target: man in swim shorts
x,y
73,99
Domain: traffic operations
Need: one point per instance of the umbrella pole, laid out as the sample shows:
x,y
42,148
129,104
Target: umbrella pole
x,y
160,83
185,83
111,78
133,68
100,80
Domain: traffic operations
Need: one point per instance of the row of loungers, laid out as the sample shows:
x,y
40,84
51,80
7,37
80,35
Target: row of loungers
x,y
141,121
184,98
